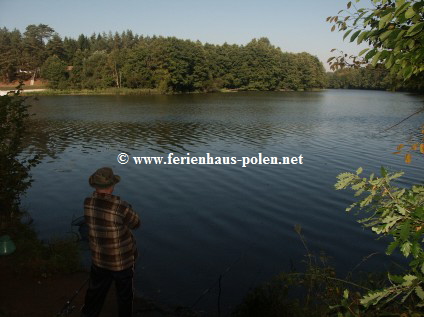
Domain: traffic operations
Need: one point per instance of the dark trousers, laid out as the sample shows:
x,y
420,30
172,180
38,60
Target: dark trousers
x,y
100,281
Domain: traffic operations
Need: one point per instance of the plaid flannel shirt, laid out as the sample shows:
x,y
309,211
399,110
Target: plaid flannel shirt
x,y
109,221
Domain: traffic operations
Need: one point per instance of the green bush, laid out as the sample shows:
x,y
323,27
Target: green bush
x,y
36,257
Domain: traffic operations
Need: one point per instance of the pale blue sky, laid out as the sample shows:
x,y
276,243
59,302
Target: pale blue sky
x,y
294,26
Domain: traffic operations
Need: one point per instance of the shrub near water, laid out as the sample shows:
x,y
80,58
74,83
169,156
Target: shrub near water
x,y
309,292
31,254
399,214
35,257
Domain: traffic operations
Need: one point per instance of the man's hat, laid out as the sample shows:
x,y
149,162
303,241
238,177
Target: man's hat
x,y
103,178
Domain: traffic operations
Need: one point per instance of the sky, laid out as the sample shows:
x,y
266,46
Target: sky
x,y
294,26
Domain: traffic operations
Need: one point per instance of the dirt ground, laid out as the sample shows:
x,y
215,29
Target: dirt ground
x,y
29,296
27,83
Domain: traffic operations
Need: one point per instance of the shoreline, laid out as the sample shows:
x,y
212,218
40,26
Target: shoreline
x,y
39,278
5,92
131,92
26,295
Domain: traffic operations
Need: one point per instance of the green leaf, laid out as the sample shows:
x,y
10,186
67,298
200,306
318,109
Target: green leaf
x,y
401,8
376,58
363,51
407,72
385,35
399,2
359,192
406,248
370,54
415,29
408,279
396,175
359,17
409,13
420,292
373,298
384,20
347,33
400,35
355,35
417,6
401,210
346,294
359,171
383,171
397,279
366,201
416,249
405,229
390,222
362,36
389,62
392,246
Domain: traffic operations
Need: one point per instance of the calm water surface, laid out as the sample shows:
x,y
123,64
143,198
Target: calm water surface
x,y
203,221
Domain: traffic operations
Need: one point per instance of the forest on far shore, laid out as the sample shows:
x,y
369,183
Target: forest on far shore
x,y
369,77
169,64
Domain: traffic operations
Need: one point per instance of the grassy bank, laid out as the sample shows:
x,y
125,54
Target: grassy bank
x,y
39,278
58,256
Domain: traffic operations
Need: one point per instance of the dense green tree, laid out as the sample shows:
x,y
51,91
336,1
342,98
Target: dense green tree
x,y
310,72
34,51
10,53
54,70
302,71
167,64
290,79
70,46
83,43
260,67
97,71
76,74
55,47
138,69
128,39
370,77
222,62
362,78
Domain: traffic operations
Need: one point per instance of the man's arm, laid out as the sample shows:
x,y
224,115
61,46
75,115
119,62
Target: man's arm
x,y
131,219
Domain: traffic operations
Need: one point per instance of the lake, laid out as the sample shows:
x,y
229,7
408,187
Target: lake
x,y
201,222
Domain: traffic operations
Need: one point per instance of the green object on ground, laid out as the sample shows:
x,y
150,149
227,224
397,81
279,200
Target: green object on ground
x,y
6,245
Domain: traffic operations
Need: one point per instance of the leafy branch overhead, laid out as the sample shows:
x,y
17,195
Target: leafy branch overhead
x,y
393,29
397,213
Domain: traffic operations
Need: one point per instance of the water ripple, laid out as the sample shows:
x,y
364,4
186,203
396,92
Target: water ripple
x,y
201,218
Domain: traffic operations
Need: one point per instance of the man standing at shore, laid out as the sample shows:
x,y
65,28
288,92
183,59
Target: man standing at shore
x,y
112,245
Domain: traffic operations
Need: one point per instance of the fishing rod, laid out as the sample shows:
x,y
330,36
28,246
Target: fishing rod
x,y
79,222
217,282
68,308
